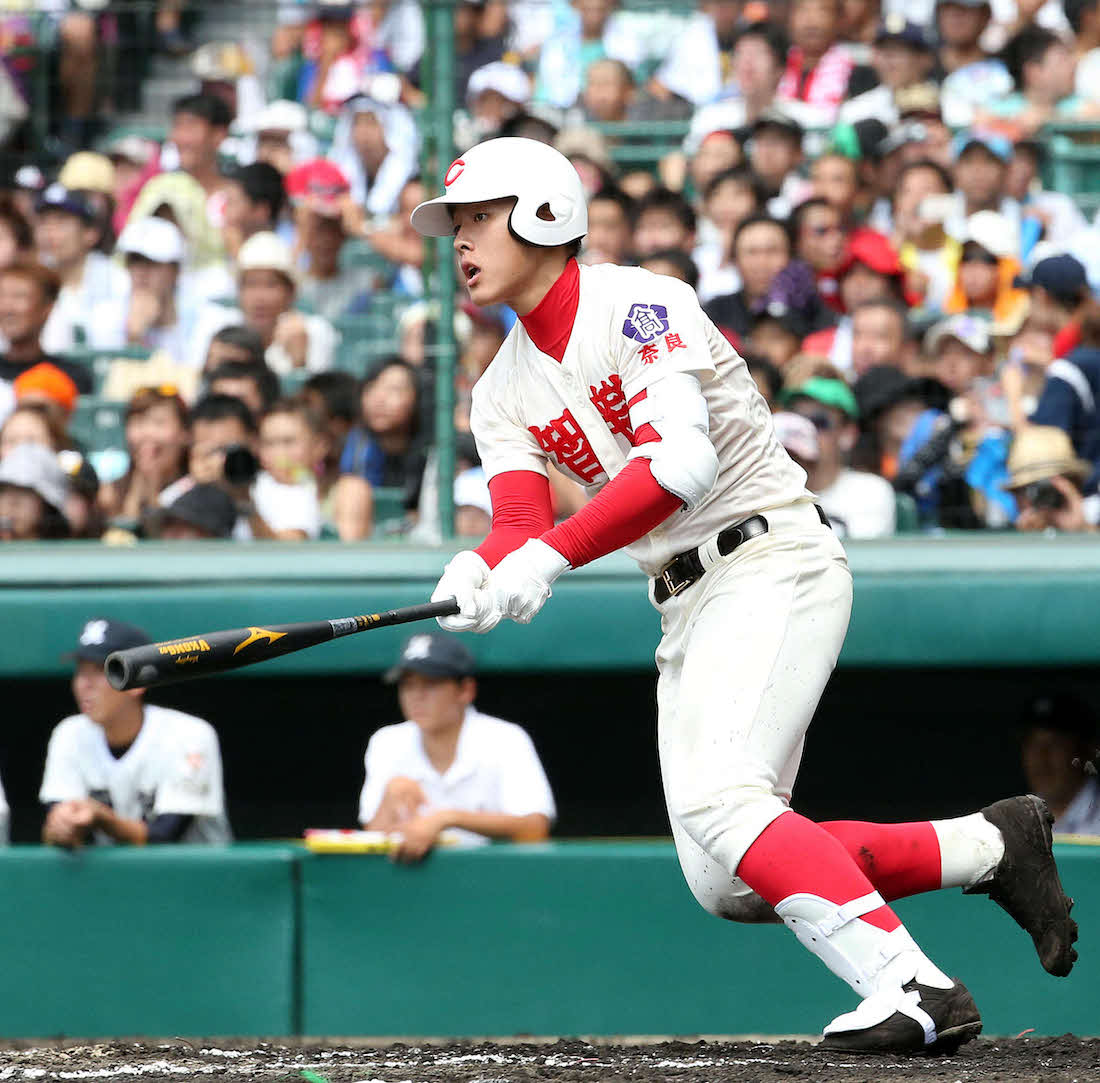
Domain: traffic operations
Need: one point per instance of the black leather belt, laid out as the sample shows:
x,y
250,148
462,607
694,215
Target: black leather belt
x,y
683,570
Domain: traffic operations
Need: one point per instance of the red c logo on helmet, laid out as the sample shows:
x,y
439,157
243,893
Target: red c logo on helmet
x,y
454,172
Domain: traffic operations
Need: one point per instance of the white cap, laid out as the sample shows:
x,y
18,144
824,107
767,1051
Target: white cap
x,y
472,490
972,331
266,252
798,435
154,238
280,116
537,175
994,232
506,79
35,467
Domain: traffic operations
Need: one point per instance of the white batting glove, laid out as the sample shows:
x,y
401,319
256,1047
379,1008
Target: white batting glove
x,y
520,583
465,579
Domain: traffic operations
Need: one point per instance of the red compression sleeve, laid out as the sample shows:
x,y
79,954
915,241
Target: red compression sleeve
x,y
521,510
629,506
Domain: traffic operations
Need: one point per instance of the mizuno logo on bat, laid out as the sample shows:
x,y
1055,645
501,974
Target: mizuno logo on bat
x,y
256,634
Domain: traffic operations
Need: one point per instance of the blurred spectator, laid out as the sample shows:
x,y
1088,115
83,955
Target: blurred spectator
x,y
251,382
495,95
153,311
818,65
609,91
267,289
1059,297
180,199
902,57
449,767
473,505
27,295
880,337
961,351
729,198
376,145
768,378
697,68
33,494
78,73
1084,20
663,219
157,435
889,403
102,785
834,177
292,451
82,507
16,237
609,237
33,423
981,175
1059,753
253,203
93,177
1071,391
1046,477
595,32
383,446
820,240
332,63
761,249
1042,67
675,263
66,234
478,41
135,159
1052,216
235,343
202,512
277,135
859,504
921,202
200,123
973,79
775,152
46,386
400,244
988,269
347,501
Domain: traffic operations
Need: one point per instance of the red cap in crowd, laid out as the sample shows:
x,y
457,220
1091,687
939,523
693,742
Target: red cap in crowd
x,y
46,381
319,185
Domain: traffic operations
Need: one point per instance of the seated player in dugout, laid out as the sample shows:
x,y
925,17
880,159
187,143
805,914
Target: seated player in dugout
x,y
449,767
124,771
616,375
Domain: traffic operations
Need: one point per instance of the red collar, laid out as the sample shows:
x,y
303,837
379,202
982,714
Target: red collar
x,y
550,323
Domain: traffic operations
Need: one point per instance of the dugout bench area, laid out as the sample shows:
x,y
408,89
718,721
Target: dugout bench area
x,y
561,938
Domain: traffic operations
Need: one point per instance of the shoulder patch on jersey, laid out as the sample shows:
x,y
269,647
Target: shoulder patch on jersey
x,y
644,323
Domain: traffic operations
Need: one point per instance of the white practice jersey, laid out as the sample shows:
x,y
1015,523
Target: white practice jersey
x,y
496,769
174,766
632,327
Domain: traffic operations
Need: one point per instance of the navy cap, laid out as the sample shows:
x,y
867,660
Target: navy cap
x,y
59,198
897,28
206,507
100,637
434,655
1061,276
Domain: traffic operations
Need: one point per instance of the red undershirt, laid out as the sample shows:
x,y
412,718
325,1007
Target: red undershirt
x,y
628,507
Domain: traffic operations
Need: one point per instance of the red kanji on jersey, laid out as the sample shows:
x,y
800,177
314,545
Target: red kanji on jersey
x,y
674,342
609,399
565,440
648,353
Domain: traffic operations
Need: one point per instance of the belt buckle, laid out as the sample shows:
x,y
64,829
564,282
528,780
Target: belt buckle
x,y
671,585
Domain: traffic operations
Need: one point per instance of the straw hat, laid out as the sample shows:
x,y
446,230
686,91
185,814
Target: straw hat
x,y
1040,452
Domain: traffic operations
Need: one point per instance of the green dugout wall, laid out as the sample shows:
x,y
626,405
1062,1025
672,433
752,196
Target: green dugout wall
x,y
559,939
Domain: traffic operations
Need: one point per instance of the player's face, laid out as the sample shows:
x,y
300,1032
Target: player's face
x,y
95,697
435,704
494,265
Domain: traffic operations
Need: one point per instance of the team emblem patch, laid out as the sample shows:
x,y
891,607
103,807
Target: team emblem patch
x,y
94,633
418,647
644,323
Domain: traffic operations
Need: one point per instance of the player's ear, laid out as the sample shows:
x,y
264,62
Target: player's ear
x,y
468,690
849,434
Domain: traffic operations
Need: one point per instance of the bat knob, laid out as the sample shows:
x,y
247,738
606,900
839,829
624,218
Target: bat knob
x,y
117,669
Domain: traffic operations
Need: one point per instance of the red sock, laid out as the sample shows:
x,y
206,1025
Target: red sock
x,y
794,854
899,859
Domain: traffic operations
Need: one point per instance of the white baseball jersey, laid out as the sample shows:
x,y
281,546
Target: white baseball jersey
x,y
174,766
5,835
496,769
632,327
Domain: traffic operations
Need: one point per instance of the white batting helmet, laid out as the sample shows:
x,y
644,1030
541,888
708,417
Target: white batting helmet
x,y
536,174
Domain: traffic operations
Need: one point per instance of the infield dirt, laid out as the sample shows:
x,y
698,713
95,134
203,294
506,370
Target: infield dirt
x,y
1067,1059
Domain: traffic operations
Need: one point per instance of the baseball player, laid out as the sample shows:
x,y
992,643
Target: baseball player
x,y
125,771
615,376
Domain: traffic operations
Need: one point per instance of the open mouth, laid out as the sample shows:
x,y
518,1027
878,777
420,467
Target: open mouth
x,y
472,273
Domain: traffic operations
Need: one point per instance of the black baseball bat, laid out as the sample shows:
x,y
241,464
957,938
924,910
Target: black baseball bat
x,y
215,652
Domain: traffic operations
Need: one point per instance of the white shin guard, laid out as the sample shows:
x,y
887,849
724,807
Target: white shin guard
x,y
871,960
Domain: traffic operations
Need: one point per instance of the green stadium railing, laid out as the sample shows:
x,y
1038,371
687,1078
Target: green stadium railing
x,y
920,601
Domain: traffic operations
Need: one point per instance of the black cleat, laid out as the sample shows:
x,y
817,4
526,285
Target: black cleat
x,y
1026,884
953,1012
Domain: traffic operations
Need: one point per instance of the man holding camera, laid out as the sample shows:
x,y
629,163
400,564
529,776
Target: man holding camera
x,y
1046,478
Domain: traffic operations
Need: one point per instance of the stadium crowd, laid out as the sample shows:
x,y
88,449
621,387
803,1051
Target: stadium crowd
x,y
228,332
